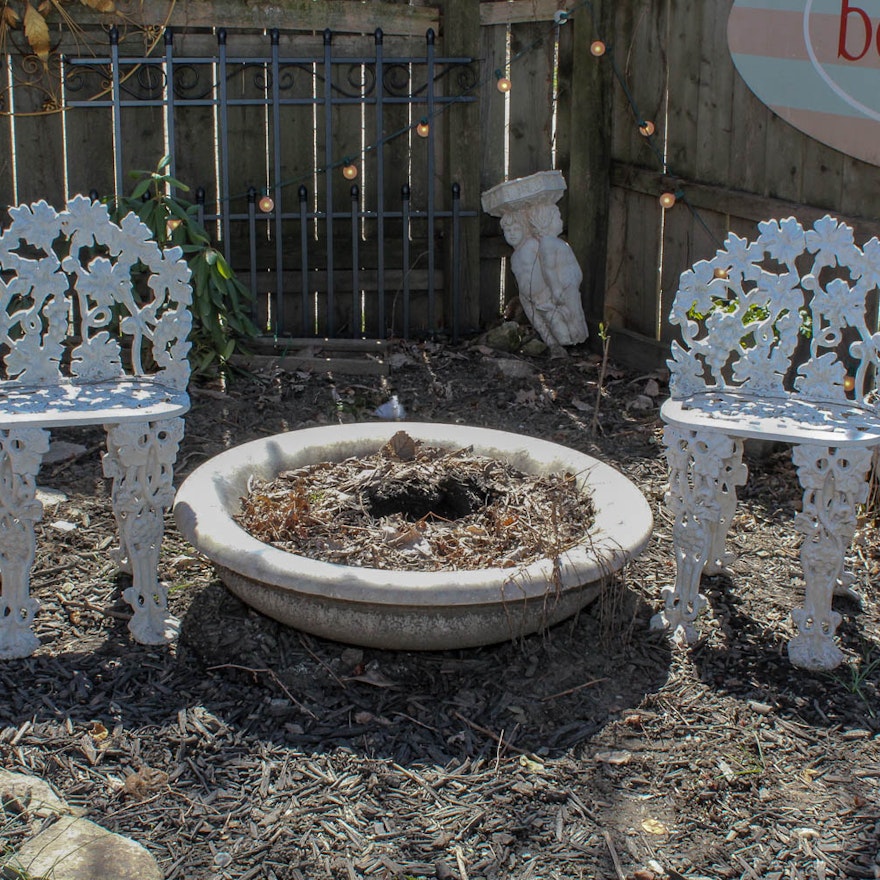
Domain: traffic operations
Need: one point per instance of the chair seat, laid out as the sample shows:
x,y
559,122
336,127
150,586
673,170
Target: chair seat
x,y
789,419
93,403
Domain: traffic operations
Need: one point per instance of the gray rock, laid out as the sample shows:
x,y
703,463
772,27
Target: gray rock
x,y
504,338
50,497
61,450
512,369
78,849
534,348
28,794
641,403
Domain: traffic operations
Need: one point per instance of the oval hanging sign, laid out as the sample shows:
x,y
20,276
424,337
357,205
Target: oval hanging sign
x,y
816,64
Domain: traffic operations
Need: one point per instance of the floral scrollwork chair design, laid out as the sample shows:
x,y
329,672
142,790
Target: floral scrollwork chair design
x,y
776,343
94,320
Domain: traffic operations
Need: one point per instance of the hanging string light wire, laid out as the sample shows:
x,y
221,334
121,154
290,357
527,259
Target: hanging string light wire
x,y
493,76
646,127
599,48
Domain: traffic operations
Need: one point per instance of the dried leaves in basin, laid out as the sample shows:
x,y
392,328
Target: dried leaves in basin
x,y
417,507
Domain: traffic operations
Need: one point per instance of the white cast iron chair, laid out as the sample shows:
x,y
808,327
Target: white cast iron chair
x,y
94,320
779,342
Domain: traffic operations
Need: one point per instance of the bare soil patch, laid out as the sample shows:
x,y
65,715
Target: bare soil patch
x,y
595,750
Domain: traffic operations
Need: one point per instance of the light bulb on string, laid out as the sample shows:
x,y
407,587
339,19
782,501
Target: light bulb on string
x,y
423,129
349,170
502,82
597,48
667,200
267,204
172,223
849,383
646,128
720,273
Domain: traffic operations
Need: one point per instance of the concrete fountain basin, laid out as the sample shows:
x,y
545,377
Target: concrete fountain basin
x,y
402,609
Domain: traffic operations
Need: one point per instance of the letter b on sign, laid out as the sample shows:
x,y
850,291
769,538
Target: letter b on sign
x,y
861,35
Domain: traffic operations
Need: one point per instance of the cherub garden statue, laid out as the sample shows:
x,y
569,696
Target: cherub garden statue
x,y
547,273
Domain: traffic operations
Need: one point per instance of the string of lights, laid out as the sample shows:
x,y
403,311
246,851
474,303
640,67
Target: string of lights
x,y
647,129
599,49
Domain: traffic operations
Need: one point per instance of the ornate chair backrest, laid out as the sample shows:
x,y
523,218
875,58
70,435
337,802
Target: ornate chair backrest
x,y
794,312
83,299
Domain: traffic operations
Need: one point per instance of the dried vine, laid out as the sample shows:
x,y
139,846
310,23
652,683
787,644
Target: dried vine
x,y
27,29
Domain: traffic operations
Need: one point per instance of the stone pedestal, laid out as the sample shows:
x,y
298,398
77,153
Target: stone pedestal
x,y
547,273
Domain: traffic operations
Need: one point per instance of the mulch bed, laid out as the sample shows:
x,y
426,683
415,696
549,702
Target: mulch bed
x,y
413,507
250,750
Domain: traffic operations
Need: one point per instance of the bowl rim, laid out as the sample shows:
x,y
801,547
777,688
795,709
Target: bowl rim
x,y
204,514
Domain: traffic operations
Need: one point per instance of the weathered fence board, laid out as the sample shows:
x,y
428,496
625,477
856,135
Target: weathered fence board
x,y
341,16
713,120
860,194
532,111
461,37
637,52
747,132
683,48
7,169
588,119
493,163
36,138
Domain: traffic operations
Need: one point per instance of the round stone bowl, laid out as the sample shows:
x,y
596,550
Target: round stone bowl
x,y
410,610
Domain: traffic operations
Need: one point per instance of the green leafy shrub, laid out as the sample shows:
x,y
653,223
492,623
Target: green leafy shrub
x,y
221,303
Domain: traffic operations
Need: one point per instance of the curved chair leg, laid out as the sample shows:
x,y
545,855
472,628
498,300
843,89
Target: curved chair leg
x,y
845,581
704,469
834,481
733,473
21,452
140,460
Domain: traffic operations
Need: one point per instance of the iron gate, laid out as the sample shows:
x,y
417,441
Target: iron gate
x,y
282,137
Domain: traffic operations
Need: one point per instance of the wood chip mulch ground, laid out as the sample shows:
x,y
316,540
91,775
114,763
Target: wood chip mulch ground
x,y
595,750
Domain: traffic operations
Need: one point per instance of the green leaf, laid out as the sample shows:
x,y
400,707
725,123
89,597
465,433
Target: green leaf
x,y
141,188
223,267
164,162
197,234
176,209
204,311
147,213
176,183
201,274
206,360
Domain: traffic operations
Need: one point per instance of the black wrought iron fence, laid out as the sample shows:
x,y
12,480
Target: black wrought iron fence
x,y
274,142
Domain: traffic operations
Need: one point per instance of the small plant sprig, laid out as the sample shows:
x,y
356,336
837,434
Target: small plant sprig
x,y
858,681
221,303
605,336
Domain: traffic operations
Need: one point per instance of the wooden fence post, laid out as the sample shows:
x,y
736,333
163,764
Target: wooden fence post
x,y
461,37
589,172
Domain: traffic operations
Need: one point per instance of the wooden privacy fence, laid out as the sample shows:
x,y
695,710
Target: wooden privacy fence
x,y
278,104
732,161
